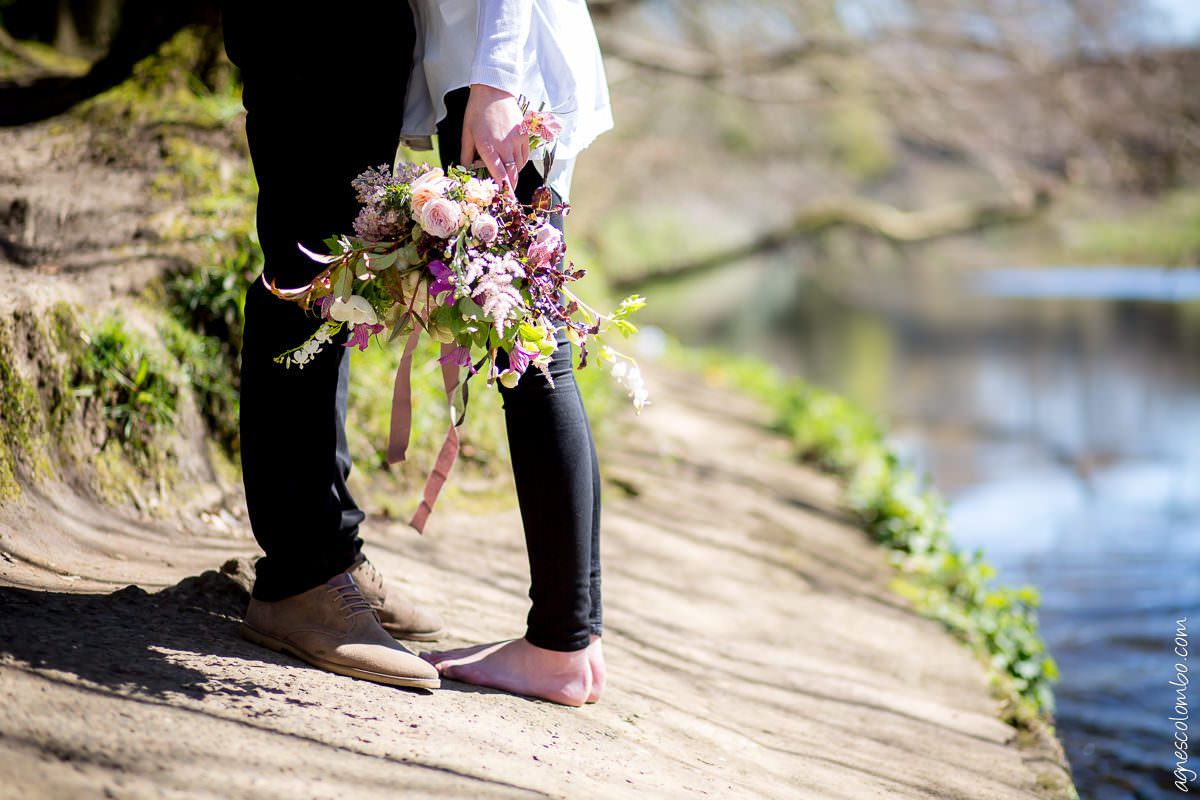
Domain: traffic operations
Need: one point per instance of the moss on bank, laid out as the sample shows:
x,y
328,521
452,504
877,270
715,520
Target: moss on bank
x,y
956,588
68,386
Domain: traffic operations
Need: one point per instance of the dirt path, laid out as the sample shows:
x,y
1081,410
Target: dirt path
x,y
754,652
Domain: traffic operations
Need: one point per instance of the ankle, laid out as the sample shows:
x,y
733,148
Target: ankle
x,y
567,658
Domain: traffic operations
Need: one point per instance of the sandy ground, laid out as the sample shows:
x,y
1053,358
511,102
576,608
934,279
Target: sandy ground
x,y
754,651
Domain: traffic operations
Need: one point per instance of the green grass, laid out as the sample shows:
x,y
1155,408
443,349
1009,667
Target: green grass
x,y
129,385
954,587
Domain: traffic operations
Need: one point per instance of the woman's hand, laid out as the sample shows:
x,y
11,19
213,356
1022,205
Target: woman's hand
x,y
492,128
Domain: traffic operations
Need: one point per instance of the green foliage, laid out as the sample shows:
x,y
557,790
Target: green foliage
x,y
204,333
859,138
1166,234
207,369
955,588
634,237
130,386
165,89
824,427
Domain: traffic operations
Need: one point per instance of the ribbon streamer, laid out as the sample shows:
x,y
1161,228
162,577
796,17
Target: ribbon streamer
x,y
401,427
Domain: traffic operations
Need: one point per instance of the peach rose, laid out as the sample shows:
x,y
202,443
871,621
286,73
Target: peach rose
x,y
431,185
440,217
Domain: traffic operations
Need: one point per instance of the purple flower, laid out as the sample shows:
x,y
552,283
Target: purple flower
x,y
460,356
361,335
520,358
322,304
444,278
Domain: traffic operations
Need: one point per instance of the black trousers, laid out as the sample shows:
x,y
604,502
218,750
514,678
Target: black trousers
x,y
316,116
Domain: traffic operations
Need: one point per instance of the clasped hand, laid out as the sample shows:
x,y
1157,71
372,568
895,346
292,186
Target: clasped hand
x,y
492,129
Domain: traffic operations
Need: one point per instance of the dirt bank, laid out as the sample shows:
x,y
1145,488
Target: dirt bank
x,y
754,651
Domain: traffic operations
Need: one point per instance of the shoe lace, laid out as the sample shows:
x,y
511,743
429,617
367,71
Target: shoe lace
x,y
351,599
367,569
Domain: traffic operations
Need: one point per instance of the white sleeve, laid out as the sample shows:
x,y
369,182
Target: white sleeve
x,y
502,29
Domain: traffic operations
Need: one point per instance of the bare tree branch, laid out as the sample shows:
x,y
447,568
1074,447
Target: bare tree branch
x,y
877,219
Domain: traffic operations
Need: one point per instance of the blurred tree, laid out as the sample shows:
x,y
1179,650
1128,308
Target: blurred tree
x,y
126,30
1039,96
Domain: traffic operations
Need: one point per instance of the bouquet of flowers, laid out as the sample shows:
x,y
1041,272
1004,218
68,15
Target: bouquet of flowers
x,y
448,253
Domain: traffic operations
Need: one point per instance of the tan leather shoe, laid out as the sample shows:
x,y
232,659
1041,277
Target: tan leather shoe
x,y
332,626
399,616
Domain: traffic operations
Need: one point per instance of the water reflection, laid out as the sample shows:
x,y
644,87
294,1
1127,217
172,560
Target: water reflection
x,y
1064,431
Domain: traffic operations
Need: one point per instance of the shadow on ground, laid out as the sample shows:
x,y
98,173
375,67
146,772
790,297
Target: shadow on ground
x,y
123,640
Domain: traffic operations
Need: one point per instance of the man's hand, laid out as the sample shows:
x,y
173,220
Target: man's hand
x,y
492,128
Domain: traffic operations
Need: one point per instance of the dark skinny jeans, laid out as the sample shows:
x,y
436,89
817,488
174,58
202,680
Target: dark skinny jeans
x,y
315,118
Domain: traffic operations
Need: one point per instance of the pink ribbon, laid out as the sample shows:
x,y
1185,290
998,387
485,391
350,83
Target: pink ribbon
x,y
401,426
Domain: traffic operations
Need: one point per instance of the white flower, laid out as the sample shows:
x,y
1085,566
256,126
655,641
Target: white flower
x,y
619,369
480,192
353,311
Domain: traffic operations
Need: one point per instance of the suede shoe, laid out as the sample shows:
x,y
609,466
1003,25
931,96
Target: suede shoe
x,y
333,627
399,616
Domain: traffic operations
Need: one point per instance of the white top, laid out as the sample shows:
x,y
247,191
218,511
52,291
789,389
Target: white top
x,y
545,50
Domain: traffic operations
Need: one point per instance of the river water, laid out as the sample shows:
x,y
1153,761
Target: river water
x,y
1059,412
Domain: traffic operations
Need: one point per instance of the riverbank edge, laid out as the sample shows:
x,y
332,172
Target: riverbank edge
x,y
852,462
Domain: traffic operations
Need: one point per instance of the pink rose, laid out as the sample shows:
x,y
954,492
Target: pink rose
x,y
485,228
431,185
546,242
440,217
548,235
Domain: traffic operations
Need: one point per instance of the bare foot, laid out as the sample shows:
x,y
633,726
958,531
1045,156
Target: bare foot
x,y
439,656
520,667
598,670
